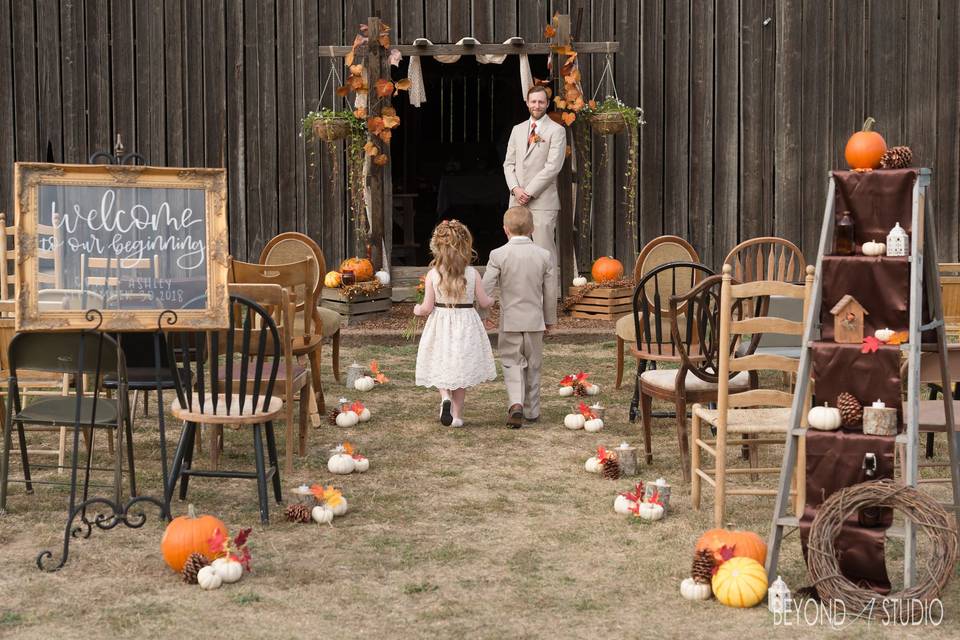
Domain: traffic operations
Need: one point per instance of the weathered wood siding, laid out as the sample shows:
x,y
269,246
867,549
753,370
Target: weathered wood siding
x,y
748,103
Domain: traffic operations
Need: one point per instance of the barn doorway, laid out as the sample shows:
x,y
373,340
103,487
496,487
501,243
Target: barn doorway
x,y
447,155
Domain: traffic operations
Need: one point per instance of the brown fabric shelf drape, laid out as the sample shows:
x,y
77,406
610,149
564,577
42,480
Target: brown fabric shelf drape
x,y
880,284
877,200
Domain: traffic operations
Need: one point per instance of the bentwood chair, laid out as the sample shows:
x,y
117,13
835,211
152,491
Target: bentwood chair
x,y
292,246
656,252
764,413
233,385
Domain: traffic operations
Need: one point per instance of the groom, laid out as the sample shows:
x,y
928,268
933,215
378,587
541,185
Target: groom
x,y
535,154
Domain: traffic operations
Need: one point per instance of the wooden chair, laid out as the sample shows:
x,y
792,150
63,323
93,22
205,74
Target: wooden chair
x,y
652,320
656,252
767,258
755,411
932,416
950,297
107,274
292,247
291,377
215,400
304,337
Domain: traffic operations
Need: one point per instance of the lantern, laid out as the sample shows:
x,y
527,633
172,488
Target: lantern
x,y
778,597
898,241
354,371
661,488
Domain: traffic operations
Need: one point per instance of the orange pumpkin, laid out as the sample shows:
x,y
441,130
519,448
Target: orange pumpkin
x,y
606,269
865,147
189,534
745,544
361,267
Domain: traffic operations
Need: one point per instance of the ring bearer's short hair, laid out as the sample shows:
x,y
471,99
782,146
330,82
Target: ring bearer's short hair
x,y
519,220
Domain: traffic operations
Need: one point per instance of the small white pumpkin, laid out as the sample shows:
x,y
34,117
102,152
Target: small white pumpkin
x,y
593,425
872,248
574,421
322,514
341,463
360,465
579,281
364,383
341,508
825,418
592,389
623,505
693,590
650,511
229,570
592,465
364,415
383,277
883,335
347,419
208,578
565,391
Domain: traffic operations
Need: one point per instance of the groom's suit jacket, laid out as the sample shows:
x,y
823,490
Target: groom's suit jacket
x,y
527,279
535,167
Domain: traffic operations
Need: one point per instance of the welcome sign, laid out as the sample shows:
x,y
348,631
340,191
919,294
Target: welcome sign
x,y
123,243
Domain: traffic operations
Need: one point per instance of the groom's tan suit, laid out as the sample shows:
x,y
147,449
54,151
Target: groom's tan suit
x,y
526,276
534,167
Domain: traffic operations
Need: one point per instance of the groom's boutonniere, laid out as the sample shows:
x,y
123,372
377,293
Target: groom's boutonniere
x,y
537,139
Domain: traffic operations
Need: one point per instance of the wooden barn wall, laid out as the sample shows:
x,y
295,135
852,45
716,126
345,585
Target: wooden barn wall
x,y
748,103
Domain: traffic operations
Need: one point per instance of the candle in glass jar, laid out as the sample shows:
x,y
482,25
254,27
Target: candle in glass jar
x,y
347,277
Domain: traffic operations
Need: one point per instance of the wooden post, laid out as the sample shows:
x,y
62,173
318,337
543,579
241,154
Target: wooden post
x,y
375,178
565,178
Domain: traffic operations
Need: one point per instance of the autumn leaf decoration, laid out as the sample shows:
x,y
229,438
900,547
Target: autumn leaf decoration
x,y
567,381
636,495
870,345
326,495
357,407
220,545
585,411
900,337
378,376
602,454
722,554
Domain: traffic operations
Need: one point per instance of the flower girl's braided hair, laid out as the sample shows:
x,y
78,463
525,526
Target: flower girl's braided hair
x,y
452,249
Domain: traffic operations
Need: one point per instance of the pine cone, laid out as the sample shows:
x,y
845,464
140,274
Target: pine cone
x,y
611,467
192,566
332,418
702,570
298,513
851,411
896,158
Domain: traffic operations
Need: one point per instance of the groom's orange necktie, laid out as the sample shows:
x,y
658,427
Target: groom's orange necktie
x,y
533,134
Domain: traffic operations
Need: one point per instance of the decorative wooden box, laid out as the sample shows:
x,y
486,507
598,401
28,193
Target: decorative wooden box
x,y
362,306
603,303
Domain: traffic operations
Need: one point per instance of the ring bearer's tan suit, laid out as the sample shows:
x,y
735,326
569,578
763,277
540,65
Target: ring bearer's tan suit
x,y
526,276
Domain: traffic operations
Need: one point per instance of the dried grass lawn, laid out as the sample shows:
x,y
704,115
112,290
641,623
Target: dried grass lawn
x,y
481,532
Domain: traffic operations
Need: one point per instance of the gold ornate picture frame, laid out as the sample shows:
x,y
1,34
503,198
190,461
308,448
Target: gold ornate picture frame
x,y
120,248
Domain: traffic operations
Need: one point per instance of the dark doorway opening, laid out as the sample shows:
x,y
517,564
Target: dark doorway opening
x,y
447,154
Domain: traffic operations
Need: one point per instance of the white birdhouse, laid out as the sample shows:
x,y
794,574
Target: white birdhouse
x,y
778,597
898,242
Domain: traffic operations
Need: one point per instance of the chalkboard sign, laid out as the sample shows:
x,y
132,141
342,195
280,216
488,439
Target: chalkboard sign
x,y
120,246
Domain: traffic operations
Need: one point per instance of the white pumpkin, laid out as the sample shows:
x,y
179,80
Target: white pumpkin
x,y
650,511
592,389
565,391
341,508
579,281
364,383
574,421
883,335
873,248
364,415
383,277
593,425
321,514
593,465
229,570
360,465
208,578
347,419
693,590
623,505
341,463
825,418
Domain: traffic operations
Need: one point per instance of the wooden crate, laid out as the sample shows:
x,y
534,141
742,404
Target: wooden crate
x,y
603,303
361,307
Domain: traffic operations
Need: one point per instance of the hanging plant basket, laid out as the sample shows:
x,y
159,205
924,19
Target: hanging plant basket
x,y
331,129
608,123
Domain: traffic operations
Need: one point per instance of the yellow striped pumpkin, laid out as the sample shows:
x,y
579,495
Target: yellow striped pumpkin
x,y
740,582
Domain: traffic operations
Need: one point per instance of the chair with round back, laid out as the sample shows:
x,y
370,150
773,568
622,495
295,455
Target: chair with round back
x,y
656,252
292,246
767,258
